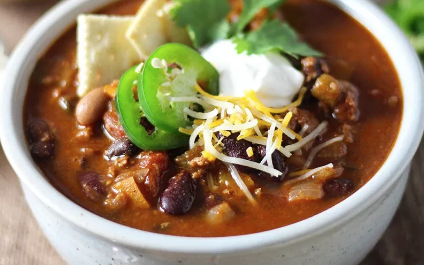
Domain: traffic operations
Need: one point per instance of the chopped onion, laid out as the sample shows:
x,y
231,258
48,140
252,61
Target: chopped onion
x,y
201,115
308,174
236,176
293,147
308,190
320,147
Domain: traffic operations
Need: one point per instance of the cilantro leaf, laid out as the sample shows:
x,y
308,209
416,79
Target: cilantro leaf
x,y
273,36
205,20
253,7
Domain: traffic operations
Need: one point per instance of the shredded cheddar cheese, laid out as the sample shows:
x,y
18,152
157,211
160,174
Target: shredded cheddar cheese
x,y
249,152
208,156
186,131
251,120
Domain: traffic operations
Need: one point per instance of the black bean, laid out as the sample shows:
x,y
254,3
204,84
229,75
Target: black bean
x,y
178,197
42,149
278,163
92,186
122,146
39,130
337,187
42,143
237,148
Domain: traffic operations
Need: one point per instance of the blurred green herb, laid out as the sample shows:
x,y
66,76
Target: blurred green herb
x,y
206,22
409,15
273,36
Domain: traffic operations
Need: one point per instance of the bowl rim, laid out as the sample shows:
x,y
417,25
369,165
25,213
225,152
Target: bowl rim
x,y
60,17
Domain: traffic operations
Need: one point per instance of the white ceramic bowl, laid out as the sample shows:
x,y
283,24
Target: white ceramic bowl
x,y
341,235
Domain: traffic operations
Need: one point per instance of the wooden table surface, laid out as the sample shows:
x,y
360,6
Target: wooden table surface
x,y
22,242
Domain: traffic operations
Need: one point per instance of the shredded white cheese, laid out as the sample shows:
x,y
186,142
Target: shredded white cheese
x,y
201,115
194,135
237,127
319,148
320,129
236,176
269,151
272,120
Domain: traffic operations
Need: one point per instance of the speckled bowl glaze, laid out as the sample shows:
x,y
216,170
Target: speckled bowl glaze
x,y
341,235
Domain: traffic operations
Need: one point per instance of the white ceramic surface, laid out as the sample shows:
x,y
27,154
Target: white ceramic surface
x,y
341,235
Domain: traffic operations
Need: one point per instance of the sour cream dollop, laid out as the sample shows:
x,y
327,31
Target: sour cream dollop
x,y
270,75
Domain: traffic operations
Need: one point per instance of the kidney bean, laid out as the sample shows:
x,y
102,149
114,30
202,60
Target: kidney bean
x,y
122,146
337,187
278,163
42,141
92,185
178,197
91,107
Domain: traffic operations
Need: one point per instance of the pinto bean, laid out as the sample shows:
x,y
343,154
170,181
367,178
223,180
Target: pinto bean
x,y
337,187
91,107
122,146
92,185
178,197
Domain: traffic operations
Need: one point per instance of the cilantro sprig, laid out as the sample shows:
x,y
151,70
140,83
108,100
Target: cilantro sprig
x,y
273,36
251,8
206,21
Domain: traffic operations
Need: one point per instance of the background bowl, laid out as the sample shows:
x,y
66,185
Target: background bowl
x,y
341,235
